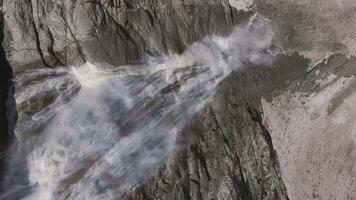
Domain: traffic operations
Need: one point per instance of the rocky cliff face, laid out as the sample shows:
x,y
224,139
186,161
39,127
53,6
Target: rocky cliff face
x,y
55,33
45,34
233,152
234,156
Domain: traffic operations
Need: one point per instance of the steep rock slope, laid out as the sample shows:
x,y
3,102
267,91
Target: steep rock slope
x,y
52,33
42,34
232,156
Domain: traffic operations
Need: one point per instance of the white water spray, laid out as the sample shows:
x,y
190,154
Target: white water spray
x,y
124,122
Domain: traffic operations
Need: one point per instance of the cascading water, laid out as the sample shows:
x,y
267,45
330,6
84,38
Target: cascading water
x,y
125,121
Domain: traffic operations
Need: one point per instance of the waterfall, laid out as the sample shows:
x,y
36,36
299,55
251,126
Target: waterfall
x,y
125,121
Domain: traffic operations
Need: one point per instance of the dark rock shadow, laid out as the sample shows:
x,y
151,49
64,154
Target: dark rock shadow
x,y
8,111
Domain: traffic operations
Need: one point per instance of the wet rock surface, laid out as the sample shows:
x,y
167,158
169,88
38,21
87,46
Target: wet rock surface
x,y
233,157
243,147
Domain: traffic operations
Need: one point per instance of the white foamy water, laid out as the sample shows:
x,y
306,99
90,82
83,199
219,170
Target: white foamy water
x,y
125,121
242,5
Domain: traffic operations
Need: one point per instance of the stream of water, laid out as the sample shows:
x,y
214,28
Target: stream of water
x,y
125,121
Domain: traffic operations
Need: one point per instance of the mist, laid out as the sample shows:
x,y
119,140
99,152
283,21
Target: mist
x,y
125,121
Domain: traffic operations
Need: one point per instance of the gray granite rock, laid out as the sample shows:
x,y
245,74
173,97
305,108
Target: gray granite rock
x,y
51,33
232,156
